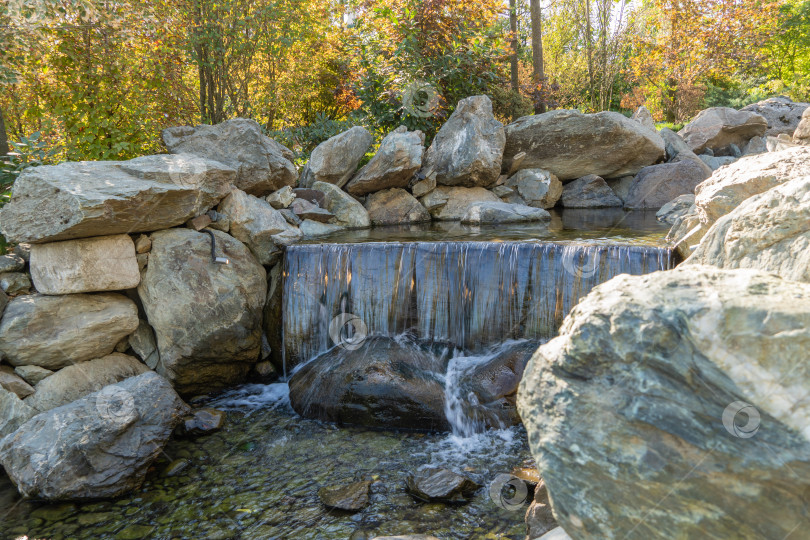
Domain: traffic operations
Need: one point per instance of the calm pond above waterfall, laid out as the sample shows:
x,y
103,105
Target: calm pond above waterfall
x,y
259,477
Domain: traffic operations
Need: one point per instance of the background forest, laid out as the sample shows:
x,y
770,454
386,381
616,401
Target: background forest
x,y
98,79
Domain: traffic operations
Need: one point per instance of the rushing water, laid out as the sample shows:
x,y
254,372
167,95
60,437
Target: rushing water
x,y
470,294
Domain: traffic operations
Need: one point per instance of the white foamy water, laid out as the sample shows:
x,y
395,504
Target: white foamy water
x,y
253,397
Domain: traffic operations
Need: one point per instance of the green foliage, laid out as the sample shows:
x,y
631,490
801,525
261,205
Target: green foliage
x,y
303,139
29,151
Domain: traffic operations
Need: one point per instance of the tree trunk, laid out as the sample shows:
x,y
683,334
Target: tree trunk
x,y
589,47
513,59
3,136
538,71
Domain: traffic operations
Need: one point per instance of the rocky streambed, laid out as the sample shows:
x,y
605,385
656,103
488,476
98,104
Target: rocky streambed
x,y
259,478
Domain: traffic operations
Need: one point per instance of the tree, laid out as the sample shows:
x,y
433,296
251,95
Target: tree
x,y
3,136
513,38
538,69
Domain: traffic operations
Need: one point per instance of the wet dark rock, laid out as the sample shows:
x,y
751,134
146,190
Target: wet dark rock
x,y
441,485
589,192
201,422
382,384
351,497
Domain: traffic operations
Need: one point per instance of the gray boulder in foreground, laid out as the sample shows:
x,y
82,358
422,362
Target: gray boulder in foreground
x,y
102,198
674,405
98,446
393,166
571,145
262,165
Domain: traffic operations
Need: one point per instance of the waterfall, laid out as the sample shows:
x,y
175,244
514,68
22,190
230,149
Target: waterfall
x,y
468,294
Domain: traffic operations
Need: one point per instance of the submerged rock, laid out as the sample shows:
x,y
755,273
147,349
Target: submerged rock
x,y
769,232
350,498
209,334
201,422
98,446
442,485
719,127
571,145
335,160
638,401
468,149
95,198
262,165
56,331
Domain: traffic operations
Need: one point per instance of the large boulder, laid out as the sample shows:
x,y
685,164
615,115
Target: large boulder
x,y
749,176
56,331
393,166
206,316
395,207
335,160
643,413
101,198
104,263
348,212
451,203
731,185
802,133
769,232
782,114
655,186
502,212
262,164
589,192
468,149
258,225
384,383
98,446
537,187
78,380
571,145
719,127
